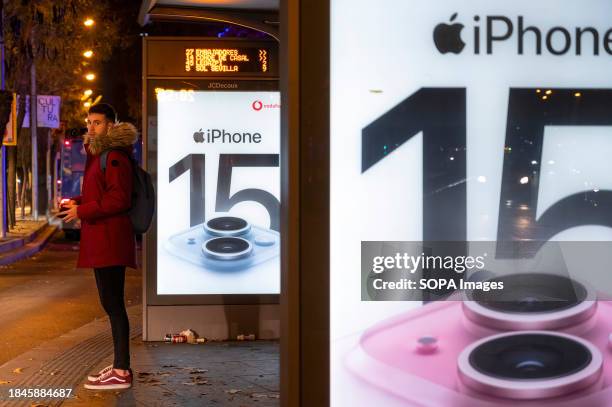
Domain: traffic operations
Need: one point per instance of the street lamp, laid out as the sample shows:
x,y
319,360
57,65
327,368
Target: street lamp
x,y
90,76
88,22
86,94
88,53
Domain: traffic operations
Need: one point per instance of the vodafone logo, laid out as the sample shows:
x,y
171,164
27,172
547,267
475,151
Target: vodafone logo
x,y
259,105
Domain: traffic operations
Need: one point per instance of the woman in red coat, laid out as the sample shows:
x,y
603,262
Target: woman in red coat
x,y
107,238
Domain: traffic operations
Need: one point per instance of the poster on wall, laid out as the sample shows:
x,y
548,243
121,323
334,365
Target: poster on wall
x,y
218,192
47,111
10,131
476,135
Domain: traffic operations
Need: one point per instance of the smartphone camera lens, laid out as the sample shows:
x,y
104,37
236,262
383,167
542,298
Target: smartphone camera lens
x,y
530,365
227,226
528,293
530,357
227,248
531,301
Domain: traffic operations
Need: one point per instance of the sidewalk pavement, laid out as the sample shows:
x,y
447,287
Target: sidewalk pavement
x,y
24,228
27,238
233,374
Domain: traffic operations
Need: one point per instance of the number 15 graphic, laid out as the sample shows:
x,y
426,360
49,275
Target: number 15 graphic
x,y
195,164
440,113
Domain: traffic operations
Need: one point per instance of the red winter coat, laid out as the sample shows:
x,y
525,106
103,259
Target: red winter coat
x,y
107,237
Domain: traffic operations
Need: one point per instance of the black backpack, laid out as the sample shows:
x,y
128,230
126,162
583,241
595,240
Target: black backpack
x,y
143,194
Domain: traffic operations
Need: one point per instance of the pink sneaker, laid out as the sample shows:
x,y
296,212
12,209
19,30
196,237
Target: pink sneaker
x,y
93,378
111,380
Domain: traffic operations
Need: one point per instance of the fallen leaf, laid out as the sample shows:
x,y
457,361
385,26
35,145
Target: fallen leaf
x,y
18,370
232,391
189,383
151,381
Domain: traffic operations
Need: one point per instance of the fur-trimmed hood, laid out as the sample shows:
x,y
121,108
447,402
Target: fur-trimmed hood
x,y
120,135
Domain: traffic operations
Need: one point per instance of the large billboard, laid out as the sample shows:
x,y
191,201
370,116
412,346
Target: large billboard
x,y
478,121
218,188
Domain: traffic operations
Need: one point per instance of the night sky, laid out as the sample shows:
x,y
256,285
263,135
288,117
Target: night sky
x,y
121,75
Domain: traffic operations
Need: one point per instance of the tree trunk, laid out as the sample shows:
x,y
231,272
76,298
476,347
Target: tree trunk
x,y
24,185
41,161
11,177
23,148
18,190
48,173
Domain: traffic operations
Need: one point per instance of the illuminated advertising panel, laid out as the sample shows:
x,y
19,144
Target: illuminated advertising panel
x,y
218,189
480,121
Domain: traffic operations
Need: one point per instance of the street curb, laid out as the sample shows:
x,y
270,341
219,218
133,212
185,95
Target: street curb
x,y
17,242
32,236
11,244
30,245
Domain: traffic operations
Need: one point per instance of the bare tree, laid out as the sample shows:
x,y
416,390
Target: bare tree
x,y
51,35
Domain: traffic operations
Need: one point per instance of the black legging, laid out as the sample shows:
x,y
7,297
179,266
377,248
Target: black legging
x,y
110,282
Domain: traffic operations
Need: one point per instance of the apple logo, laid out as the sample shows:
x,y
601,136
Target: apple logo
x,y
447,37
198,136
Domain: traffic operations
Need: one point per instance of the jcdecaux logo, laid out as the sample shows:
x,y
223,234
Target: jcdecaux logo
x,y
488,31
